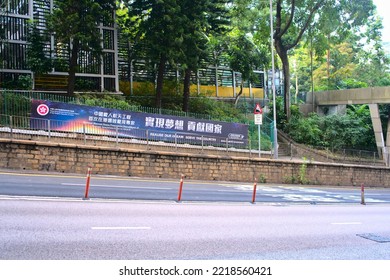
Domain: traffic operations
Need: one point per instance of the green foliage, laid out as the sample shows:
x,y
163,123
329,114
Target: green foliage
x,y
280,113
352,83
174,32
352,130
76,21
38,60
74,25
262,179
265,140
14,104
21,82
216,109
302,172
290,179
305,130
244,57
85,85
107,101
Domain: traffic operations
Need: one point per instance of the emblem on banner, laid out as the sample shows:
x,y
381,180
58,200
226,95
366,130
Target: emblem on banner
x,y
43,109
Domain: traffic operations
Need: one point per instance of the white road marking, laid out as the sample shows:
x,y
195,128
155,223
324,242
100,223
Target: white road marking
x,y
39,198
115,186
305,198
233,191
120,228
347,223
79,200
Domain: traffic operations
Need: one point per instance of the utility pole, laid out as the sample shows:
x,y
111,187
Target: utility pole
x,y
273,80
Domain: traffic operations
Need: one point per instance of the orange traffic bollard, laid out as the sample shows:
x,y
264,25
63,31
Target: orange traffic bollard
x,y
87,183
362,195
254,191
180,188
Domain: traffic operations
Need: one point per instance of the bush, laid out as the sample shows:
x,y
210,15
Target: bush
x,y
352,130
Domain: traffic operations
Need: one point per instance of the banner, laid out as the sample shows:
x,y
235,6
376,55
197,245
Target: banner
x,y
105,121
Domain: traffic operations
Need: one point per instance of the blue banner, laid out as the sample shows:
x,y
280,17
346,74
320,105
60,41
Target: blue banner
x,y
105,121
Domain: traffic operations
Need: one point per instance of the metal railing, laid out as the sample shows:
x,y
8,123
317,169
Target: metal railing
x,y
322,154
50,131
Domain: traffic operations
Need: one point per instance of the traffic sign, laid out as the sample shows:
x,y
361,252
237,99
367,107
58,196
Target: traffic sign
x,y
258,109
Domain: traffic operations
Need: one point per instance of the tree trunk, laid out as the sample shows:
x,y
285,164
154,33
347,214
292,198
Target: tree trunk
x,y
238,95
328,63
282,52
160,81
186,93
286,87
73,67
130,67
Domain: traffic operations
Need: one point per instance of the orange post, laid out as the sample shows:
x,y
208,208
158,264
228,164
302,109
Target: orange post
x,y
180,188
88,182
254,191
362,195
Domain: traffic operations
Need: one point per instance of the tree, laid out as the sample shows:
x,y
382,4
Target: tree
x,y
332,72
175,32
326,17
246,52
341,54
74,23
349,56
245,57
157,26
292,20
38,59
373,64
201,19
303,64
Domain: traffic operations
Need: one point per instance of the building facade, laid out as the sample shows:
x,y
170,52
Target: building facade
x,y
14,71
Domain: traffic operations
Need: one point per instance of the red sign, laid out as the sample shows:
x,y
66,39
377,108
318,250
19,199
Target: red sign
x,y
258,109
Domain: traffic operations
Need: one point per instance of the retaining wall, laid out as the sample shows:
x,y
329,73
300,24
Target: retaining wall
x,y
70,158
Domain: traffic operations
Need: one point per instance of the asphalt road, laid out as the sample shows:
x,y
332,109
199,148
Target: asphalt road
x,y
43,216
58,228
111,187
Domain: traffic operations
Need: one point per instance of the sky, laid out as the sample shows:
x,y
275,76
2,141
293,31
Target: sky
x,y
383,7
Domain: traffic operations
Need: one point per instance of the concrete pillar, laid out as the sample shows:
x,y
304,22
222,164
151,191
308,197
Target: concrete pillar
x,y
388,140
377,125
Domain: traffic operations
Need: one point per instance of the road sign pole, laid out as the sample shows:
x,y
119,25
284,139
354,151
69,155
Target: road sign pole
x,y
259,141
258,120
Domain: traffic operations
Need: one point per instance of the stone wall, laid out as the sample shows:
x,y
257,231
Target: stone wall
x,y
70,158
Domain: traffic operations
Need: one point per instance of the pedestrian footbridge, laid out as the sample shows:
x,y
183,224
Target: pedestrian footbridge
x,y
334,101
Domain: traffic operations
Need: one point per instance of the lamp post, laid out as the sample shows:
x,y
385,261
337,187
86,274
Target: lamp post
x,y
273,81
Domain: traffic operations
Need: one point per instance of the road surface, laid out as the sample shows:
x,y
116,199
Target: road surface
x,y
112,187
44,216
56,228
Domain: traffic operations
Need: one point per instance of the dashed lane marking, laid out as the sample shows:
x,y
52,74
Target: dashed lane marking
x,y
347,223
121,228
